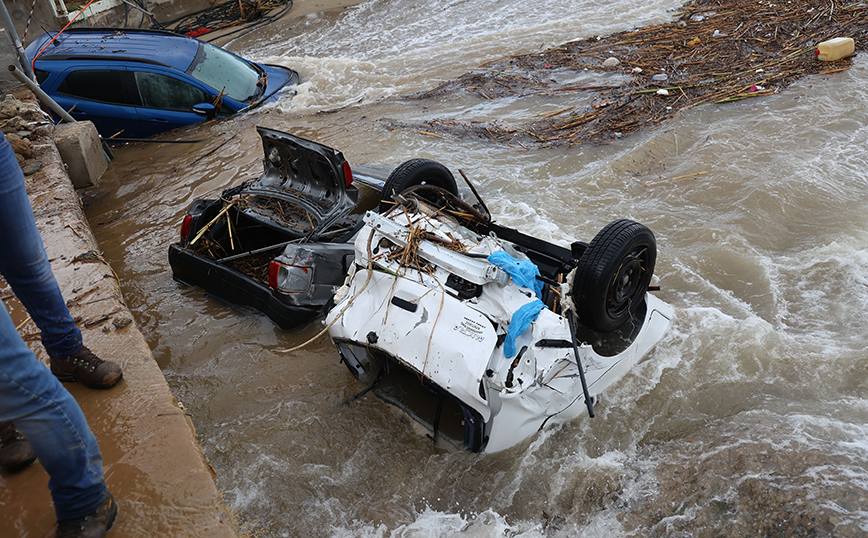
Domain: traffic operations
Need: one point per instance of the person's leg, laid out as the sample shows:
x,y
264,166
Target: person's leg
x,y
55,426
25,266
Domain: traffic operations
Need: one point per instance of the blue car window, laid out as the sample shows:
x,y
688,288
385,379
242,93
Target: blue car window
x,y
103,86
225,72
168,93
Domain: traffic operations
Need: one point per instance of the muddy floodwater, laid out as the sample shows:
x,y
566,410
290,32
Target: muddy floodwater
x,y
750,418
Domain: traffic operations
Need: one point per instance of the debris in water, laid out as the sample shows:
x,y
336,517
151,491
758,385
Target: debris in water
x,y
767,47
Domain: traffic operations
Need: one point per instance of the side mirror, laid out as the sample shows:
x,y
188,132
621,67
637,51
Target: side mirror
x,y
206,109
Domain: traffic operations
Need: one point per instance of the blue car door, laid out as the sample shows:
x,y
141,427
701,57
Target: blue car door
x,y
103,95
168,100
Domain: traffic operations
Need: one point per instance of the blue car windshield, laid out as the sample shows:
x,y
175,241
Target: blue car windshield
x,y
237,78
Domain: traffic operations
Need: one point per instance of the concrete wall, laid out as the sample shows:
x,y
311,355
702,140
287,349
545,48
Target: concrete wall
x,y
8,56
43,20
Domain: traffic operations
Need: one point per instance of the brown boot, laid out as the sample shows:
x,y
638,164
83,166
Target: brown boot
x,y
88,369
15,452
94,525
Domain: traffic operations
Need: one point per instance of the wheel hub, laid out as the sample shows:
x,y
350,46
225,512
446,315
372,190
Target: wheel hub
x,y
625,284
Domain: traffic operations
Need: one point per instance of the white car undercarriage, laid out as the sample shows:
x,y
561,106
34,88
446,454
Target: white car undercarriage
x,y
426,295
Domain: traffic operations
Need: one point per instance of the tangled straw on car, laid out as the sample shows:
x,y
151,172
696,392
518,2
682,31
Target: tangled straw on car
x,y
409,258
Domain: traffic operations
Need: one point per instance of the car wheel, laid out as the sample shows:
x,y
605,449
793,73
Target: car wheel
x,y
613,275
413,173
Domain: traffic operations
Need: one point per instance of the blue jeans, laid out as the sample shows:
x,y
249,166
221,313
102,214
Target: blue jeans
x,y
30,396
25,266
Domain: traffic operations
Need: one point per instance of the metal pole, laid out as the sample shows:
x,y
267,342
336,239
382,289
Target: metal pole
x,y
52,104
588,402
44,97
10,29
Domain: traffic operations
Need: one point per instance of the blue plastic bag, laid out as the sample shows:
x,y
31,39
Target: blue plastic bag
x,y
519,323
523,271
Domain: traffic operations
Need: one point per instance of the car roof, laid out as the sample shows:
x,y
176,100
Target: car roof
x,y
128,44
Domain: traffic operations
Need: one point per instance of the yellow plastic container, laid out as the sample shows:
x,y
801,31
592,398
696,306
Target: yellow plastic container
x,y
835,49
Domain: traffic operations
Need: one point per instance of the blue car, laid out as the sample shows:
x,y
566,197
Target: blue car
x,y
134,83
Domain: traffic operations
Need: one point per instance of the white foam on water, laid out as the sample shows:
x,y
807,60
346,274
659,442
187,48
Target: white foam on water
x,y
405,46
764,258
431,523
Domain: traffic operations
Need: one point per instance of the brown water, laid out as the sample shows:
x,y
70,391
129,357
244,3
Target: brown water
x,y
749,419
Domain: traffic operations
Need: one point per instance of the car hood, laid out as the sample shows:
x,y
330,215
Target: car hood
x,y
311,177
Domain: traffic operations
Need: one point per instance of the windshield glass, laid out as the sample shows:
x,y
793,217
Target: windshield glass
x,y
224,71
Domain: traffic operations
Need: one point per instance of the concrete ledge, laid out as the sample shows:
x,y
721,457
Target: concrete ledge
x,y
80,148
152,461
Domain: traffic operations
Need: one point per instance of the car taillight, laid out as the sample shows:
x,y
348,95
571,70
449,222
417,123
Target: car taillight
x,y
185,227
273,271
348,174
289,278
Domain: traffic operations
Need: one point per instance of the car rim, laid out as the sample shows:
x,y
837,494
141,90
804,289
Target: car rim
x,y
624,288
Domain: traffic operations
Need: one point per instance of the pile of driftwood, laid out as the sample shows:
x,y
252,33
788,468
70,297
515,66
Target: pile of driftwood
x,y
715,51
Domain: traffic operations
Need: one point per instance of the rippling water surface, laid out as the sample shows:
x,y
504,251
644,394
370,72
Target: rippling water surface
x,y
748,419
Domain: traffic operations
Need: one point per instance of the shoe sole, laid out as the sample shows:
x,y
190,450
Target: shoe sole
x,y
70,378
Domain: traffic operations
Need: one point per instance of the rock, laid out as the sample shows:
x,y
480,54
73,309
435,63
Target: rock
x,y
20,146
122,321
31,168
44,130
10,108
612,62
504,126
13,124
34,114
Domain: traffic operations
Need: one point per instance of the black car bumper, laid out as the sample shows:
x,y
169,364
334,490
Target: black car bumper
x,y
234,287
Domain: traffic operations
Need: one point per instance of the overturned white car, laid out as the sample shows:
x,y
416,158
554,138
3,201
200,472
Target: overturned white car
x,y
470,327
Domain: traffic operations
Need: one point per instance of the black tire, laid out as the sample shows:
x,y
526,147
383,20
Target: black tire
x,y
613,275
413,173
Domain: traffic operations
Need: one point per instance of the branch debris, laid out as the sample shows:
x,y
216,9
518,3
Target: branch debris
x,y
715,52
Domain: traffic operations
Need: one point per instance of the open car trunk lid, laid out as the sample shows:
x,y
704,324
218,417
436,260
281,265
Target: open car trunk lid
x,y
305,186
